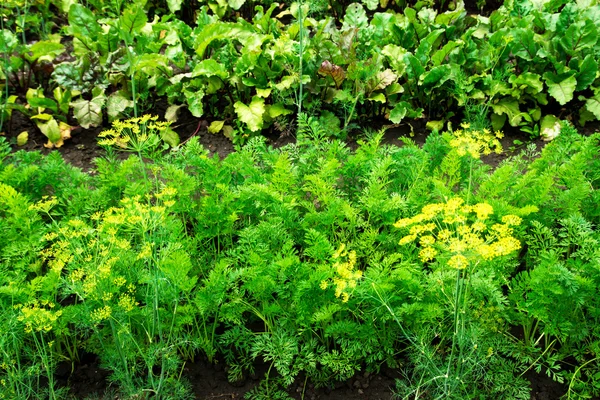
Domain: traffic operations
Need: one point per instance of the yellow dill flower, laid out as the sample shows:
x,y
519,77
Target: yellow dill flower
x,y
119,281
444,235
505,246
501,230
429,227
427,240
403,223
457,245
427,254
345,297
50,236
432,210
407,239
486,251
478,226
475,143
464,230
458,261
346,277
100,314
483,210
340,251
166,192
416,229
37,318
158,209
511,220
458,229
127,302
146,251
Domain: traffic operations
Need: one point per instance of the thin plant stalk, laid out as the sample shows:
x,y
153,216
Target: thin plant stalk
x,y
301,53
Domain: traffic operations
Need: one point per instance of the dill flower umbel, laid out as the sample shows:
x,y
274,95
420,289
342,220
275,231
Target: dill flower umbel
x,y
135,134
460,234
476,142
345,276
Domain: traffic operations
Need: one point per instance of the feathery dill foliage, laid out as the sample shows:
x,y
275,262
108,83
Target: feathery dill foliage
x,y
292,257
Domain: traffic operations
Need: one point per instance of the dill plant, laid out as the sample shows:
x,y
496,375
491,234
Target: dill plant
x,y
457,235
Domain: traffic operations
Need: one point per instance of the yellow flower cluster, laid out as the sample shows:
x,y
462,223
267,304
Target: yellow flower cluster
x,y
39,318
134,134
101,314
476,143
460,232
45,204
346,277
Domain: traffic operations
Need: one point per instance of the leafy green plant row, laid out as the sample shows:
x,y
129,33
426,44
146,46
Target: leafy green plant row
x,y
317,260
526,65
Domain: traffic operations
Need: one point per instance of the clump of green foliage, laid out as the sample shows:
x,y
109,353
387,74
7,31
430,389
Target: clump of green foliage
x,y
318,260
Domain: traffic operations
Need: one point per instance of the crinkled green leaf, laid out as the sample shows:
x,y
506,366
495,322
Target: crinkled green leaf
x,y
524,44
436,76
379,97
561,87
116,103
384,79
587,72
355,17
440,56
153,64
287,82
264,93
221,30
414,68
527,82
133,19
593,105
426,45
216,126
194,101
548,127
382,24
252,114
208,68
395,55
63,98
82,22
50,129
278,109
43,102
44,50
578,37
88,112
174,5
228,132
8,41
399,112
170,137
510,107
236,4
172,112
371,4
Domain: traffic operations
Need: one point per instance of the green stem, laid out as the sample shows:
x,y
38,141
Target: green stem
x,y
301,51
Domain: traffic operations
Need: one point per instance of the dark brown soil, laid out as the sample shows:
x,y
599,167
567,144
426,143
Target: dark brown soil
x,y
209,381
